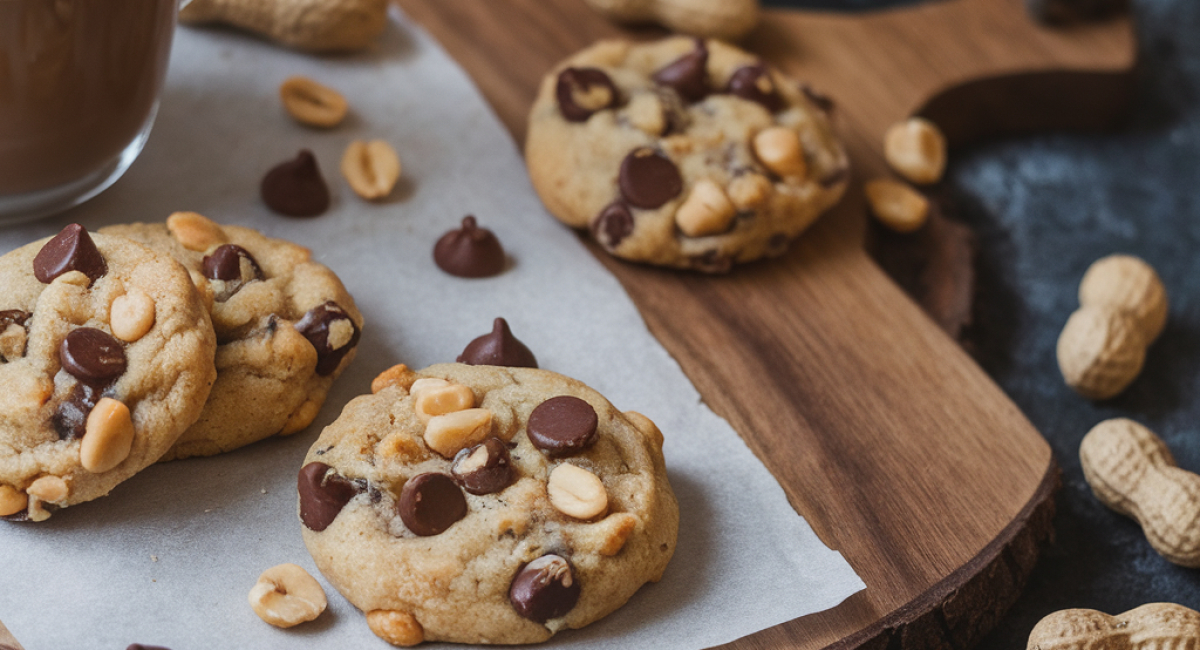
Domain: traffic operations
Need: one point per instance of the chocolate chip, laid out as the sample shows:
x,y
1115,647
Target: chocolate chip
x,y
499,348
823,102
70,418
688,74
562,425
649,179
72,249
753,82
225,263
431,503
614,224
92,355
485,468
323,494
321,327
13,317
582,92
545,588
469,251
295,187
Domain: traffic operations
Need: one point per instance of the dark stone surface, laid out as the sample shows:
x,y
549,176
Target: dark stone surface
x,y
1044,208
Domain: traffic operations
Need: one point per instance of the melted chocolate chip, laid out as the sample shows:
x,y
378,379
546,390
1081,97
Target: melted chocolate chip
x,y
469,251
562,425
649,179
590,86
545,588
321,327
225,263
92,355
688,74
499,348
323,494
754,83
295,188
70,418
72,249
485,468
614,224
431,503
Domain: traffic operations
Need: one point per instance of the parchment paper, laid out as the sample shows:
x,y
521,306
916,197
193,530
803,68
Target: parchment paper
x,y
169,556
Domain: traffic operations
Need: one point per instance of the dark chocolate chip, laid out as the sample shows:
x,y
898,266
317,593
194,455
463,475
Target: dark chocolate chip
x,y
13,317
545,588
323,494
562,425
499,348
431,503
649,179
822,101
92,355
614,224
688,74
72,249
591,85
225,264
317,325
485,468
754,83
295,187
70,418
469,251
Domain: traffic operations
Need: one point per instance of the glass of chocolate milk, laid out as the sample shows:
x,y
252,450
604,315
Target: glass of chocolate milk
x,y
79,87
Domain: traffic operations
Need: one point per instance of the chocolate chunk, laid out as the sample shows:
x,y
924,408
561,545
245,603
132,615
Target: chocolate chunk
x,y
431,503
688,74
323,494
562,425
753,82
325,326
225,263
584,91
500,348
545,588
614,224
649,179
295,187
72,249
485,468
70,418
469,252
92,355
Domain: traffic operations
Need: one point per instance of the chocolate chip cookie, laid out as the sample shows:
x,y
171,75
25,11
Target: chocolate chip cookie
x,y
483,504
685,153
106,356
286,328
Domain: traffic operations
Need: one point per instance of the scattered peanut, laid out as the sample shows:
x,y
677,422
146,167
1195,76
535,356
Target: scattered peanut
x,y
707,210
1103,345
395,627
285,595
645,112
896,205
314,25
916,149
12,500
576,492
748,191
131,315
398,375
1156,625
195,232
107,437
371,168
725,19
447,434
1131,471
308,102
440,400
50,489
780,150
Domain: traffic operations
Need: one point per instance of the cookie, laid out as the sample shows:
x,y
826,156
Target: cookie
x,y
683,153
286,328
482,504
106,356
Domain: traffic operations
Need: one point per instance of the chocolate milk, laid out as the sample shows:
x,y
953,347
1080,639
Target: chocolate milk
x,y
78,80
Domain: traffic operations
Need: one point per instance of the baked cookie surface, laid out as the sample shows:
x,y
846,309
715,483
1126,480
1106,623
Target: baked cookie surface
x,y
682,152
286,329
106,356
483,504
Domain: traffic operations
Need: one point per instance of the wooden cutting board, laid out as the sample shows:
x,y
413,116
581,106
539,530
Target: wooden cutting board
x,y
887,438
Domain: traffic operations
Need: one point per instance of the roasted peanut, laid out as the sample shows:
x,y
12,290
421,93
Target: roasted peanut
x,y
916,149
285,595
12,500
395,627
397,375
725,19
107,437
440,400
576,492
447,434
1131,471
896,205
780,150
315,25
1127,284
1156,625
748,191
706,211
131,315
195,232
50,489
645,112
311,103
371,168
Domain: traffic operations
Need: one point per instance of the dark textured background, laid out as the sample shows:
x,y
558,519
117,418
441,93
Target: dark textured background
x,y
1044,208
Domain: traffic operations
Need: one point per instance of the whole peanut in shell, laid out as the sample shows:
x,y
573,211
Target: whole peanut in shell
x,y
1156,626
312,25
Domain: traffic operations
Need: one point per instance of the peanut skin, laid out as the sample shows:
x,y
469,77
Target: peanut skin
x,y
1156,626
725,19
311,25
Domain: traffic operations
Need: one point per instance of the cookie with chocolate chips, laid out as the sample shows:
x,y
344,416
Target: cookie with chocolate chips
x,y
286,328
486,504
106,356
684,153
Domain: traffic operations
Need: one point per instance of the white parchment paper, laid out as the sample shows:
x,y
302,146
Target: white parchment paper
x,y
168,558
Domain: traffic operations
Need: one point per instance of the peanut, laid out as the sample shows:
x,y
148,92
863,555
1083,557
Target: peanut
x,y
195,232
1131,471
1123,308
576,492
286,595
308,102
916,149
645,112
131,316
313,25
748,191
371,168
50,489
706,211
896,205
107,437
780,150
12,500
397,375
1156,625
395,627
441,400
447,434
724,19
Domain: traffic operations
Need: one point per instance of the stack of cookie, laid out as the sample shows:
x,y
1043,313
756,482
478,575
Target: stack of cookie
x,y
144,342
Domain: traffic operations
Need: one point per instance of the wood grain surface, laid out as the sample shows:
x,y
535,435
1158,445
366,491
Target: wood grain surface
x,y
887,438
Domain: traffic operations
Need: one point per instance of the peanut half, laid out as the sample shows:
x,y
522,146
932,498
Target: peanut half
x,y
449,433
107,437
395,627
12,500
706,211
779,149
311,103
286,595
195,232
371,168
896,205
1156,625
916,149
576,492
131,315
